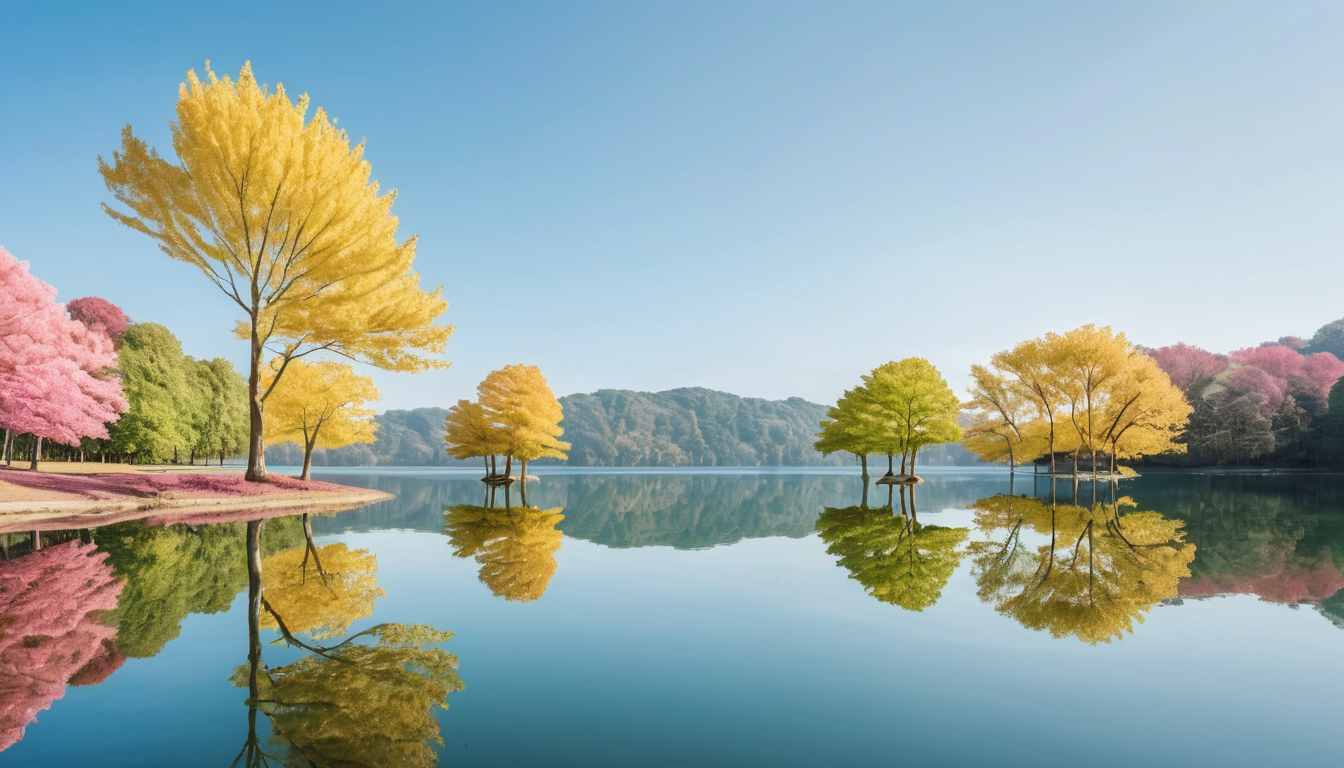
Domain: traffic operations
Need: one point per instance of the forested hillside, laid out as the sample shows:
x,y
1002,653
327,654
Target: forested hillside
x,y
622,428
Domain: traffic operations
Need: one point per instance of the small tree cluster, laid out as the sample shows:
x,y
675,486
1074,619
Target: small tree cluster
x,y
897,409
1268,401
515,414
179,407
1084,391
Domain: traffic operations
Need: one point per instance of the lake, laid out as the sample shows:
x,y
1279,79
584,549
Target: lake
x,y
694,618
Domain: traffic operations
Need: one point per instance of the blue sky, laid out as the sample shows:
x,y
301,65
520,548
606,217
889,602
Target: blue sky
x,y
766,198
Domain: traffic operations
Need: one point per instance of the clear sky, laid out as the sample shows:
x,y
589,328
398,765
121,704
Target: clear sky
x,y
766,198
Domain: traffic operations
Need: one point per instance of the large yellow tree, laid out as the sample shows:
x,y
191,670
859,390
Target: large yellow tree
x,y
1091,360
280,213
998,413
320,405
1146,413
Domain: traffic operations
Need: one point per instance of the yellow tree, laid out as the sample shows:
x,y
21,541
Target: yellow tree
x,y
1146,412
280,213
520,402
469,432
998,412
320,405
1090,361
1032,370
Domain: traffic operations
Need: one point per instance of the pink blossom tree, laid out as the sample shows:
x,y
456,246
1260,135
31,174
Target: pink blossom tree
x,y
1248,379
1320,372
1281,362
1188,365
56,379
100,314
51,629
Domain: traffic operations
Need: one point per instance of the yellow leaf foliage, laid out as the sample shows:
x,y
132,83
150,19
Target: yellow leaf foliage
x,y
320,405
515,546
323,601
281,213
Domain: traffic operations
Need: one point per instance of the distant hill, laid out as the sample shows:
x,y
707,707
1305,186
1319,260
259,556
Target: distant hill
x,y
622,428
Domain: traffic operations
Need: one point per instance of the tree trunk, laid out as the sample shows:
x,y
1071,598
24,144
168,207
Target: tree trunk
x,y
307,461
256,447
889,463
913,456
903,455
508,466
863,463
37,452
9,447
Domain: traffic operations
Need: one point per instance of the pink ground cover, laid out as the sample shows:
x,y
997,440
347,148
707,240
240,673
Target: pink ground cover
x,y
112,486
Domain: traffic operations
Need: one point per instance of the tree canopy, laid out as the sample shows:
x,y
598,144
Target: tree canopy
x,y
320,405
281,214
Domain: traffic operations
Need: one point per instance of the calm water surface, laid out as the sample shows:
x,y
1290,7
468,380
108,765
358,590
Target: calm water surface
x,y
717,618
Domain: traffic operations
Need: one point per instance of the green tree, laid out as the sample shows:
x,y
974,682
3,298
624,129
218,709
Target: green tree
x,y
911,406
1328,338
158,383
848,427
177,570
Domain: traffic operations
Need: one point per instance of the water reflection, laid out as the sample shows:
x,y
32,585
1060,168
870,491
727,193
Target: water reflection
x,y
1091,571
326,683
676,510
367,700
52,629
515,546
896,558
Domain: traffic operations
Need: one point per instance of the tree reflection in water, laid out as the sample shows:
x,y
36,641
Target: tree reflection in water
x,y
515,546
367,700
1096,571
896,558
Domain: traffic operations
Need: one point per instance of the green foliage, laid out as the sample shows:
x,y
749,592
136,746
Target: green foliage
x,y
895,558
178,407
160,396
369,701
1328,338
173,571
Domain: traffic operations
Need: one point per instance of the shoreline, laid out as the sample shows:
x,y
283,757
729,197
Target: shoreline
x,y
50,500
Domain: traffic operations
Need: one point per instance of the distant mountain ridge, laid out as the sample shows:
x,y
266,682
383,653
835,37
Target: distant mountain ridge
x,y
684,427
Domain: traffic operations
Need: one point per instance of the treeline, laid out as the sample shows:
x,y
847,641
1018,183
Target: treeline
x,y
80,381
1280,403
621,428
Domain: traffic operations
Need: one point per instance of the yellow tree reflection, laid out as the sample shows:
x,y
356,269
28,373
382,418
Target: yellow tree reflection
x,y
515,546
1095,571
367,700
320,590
